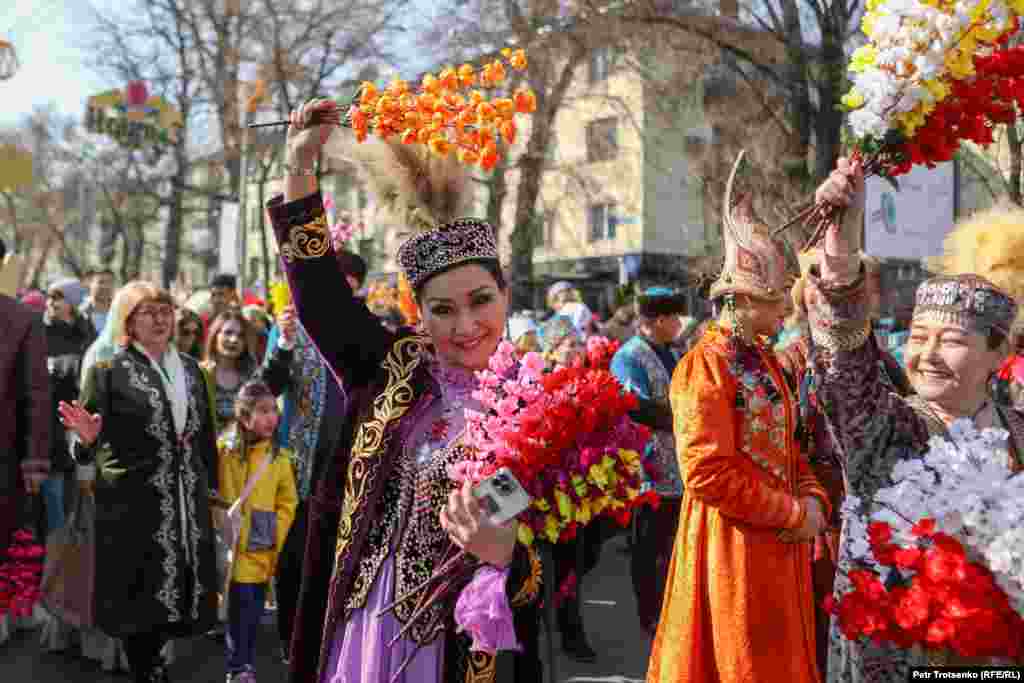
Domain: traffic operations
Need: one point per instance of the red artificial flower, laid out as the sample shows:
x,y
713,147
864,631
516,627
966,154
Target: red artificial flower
x,y
907,558
879,532
924,528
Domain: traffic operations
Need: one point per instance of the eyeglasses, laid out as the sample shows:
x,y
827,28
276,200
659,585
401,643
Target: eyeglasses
x,y
154,312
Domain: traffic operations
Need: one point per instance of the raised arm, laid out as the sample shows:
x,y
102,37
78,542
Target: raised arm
x,y
348,336
863,413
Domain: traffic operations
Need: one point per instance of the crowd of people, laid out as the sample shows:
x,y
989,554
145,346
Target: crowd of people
x,y
240,457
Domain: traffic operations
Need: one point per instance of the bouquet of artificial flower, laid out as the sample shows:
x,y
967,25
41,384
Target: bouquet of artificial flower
x,y
942,555
932,74
565,435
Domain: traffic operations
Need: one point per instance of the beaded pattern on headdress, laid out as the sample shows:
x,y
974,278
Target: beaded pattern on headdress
x,y
461,240
969,301
754,263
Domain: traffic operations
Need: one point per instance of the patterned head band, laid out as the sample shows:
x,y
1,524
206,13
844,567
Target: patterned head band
x,y
969,301
429,253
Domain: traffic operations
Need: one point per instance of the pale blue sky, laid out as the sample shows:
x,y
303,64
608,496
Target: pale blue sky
x,y
46,35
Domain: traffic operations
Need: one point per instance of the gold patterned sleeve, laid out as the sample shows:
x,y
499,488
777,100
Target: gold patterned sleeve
x,y
348,336
715,471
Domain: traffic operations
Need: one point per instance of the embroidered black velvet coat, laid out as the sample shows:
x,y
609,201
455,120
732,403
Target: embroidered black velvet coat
x,y
155,562
383,375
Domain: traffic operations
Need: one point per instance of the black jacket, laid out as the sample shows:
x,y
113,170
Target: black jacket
x,y
66,344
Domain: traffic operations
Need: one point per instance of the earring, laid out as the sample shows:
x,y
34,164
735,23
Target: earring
x,y
737,319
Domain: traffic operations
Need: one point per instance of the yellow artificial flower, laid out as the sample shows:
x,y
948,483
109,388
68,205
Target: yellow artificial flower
x,y
863,57
280,297
541,504
629,456
565,506
853,100
524,534
551,528
598,476
600,504
580,485
938,89
583,512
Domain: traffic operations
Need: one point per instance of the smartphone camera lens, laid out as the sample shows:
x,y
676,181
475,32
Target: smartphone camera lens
x,y
503,485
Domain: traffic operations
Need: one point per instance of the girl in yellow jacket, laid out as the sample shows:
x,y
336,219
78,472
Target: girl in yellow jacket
x,y
266,515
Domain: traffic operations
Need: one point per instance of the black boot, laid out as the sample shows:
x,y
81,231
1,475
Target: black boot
x,y
574,637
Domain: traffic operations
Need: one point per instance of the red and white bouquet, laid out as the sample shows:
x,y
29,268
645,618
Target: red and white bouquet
x,y
566,436
941,557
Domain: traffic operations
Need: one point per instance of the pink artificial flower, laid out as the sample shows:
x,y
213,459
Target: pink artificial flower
x,y
508,406
533,365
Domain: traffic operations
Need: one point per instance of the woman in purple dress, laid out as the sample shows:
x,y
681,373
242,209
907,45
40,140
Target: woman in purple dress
x,y
384,509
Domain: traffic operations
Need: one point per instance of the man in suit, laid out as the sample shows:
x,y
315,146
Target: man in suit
x,y
24,409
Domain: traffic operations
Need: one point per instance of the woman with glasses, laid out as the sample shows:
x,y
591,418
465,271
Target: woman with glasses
x,y
145,436
189,333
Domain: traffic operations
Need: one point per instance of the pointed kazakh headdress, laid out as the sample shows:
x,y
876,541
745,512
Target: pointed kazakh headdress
x,y
429,195
755,263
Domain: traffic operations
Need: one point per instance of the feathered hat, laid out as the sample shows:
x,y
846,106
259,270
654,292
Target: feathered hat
x,y
427,194
755,264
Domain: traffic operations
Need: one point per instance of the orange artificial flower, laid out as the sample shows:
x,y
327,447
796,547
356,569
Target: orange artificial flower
x,y
440,146
449,79
409,136
431,84
476,97
489,157
526,101
505,107
486,111
411,119
467,156
437,120
497,72
427,103
508,131
407,101
467,76
397,88
518,59
367,93
358,118
423,135
386,104
454,100
485,136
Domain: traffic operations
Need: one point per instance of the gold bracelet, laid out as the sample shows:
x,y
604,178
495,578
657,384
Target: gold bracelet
x,y
290,170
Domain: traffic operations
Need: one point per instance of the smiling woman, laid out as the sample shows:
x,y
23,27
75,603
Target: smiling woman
x,y
407,396
147,408
959,337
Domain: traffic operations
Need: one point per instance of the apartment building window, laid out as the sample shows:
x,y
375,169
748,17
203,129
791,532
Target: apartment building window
x,y
602,140
602,222
600,64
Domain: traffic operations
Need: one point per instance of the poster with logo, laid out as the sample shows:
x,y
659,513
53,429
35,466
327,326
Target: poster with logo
x,y
910,223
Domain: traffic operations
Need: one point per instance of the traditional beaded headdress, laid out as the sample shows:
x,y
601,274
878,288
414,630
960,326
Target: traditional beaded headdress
x,y
426,194
658,301
755,264
969,301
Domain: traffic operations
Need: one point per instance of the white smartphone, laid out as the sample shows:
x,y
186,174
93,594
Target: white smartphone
x,y
501,496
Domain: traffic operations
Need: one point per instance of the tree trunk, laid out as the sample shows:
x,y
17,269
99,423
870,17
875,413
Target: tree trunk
x,y
497,190
801,110
550,84
13,213
175,215
829,121
264,247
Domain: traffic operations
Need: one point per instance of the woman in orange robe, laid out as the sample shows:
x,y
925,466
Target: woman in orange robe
x,y
739,606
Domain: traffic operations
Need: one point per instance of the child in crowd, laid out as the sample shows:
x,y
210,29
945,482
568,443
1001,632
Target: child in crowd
x,y
256,479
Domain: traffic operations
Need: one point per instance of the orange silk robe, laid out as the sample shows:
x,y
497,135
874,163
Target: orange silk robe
x,y
738,604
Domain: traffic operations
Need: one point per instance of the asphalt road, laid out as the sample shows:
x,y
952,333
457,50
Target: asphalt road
x,y
609,614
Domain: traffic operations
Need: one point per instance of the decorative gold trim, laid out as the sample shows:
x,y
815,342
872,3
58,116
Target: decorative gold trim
x,y
531,585
390,405
307,241
836,340
481,668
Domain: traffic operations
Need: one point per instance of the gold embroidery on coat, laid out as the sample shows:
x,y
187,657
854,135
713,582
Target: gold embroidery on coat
x,y
482,668
531,586
307,241
371,439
